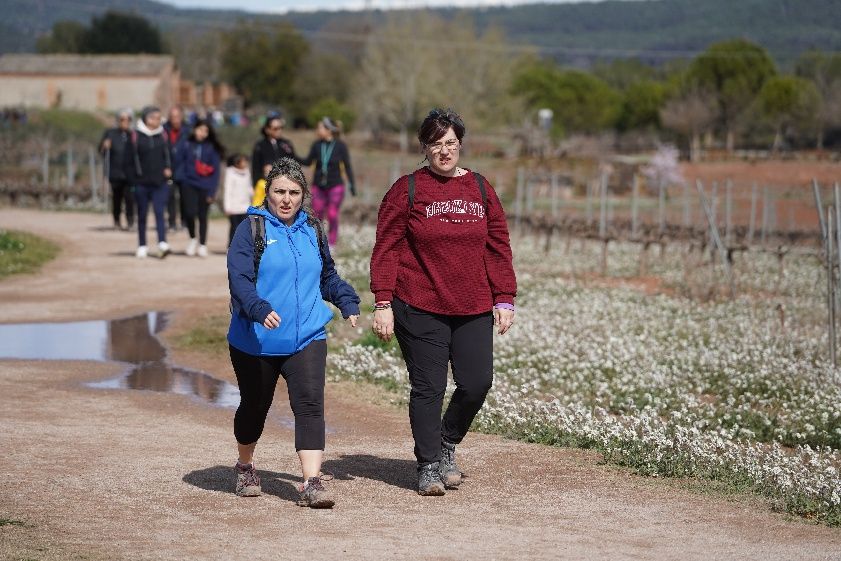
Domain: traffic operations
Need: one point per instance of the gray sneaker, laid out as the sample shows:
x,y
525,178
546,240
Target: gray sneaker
x,y
450,473
315,495
248,482
429,480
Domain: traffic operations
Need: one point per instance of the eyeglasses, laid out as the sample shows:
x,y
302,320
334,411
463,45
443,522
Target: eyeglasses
x,y
275,128
452,146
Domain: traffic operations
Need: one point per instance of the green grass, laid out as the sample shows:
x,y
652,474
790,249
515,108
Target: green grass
x,y
209,334
11,522
23,253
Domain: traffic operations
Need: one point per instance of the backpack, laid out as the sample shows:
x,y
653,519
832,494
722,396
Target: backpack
x,y
479,180
258,234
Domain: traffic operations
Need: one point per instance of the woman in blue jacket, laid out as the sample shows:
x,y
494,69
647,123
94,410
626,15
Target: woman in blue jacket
x,y
280,273
198,173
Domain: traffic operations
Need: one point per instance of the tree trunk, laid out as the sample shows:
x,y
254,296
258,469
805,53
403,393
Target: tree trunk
x,y
819,141
695,147
731,141
778,140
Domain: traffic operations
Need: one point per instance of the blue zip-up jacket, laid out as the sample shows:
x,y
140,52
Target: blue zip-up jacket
x,y
206,153
292,280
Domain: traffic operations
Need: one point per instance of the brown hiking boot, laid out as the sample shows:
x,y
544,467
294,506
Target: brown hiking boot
x,y
248,482
314,495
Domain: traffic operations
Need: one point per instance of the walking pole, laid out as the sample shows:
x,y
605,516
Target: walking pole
x,y
817,192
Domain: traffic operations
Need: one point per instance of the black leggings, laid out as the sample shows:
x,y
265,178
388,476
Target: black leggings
x,y
304,374
195,205
120,193
430,342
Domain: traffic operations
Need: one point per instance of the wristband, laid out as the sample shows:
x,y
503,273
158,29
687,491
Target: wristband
x,y
382,306
504,306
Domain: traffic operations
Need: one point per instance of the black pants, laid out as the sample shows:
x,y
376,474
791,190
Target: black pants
x,y
195,206
175,205
235,220
304,374
121,193
430,342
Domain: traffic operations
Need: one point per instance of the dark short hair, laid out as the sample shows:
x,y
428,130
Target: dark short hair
x,y
437,123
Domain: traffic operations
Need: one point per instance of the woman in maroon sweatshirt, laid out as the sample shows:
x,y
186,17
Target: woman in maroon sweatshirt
x,y
442,276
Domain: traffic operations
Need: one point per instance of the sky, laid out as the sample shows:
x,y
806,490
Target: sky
x,y
281,6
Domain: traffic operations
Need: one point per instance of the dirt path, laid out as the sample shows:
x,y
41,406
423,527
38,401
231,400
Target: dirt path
x,y
115,474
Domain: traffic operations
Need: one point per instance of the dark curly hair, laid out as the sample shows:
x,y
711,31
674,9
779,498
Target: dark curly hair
x,y
290,169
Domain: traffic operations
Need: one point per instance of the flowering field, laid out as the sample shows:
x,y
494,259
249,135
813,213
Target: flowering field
x,y
737,391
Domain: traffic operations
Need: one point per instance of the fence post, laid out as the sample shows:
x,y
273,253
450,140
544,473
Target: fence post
x,y
722,252
92,170
728,212
830,284
754,193
554,186
661,206
635,194
45,165
765,217
70,171
816,190
588,209
687,206
603,205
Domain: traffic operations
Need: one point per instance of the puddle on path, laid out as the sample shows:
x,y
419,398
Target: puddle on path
x,y
132,340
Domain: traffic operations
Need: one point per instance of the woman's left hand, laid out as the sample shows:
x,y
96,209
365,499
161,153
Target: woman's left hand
x,y
503,319
353,320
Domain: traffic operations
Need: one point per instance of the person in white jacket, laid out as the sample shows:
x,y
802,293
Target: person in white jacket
x,y
238,191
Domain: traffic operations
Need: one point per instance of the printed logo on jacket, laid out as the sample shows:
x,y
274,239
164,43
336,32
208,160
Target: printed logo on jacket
x,y
456,206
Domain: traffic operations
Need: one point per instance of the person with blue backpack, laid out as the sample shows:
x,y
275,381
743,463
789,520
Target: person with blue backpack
x,y
280,272
198,170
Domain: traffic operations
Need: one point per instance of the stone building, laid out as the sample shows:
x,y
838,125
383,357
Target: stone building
x,y
88,82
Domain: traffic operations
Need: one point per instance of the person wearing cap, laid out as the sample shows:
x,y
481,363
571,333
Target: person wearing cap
x,y
442,275
113,149
271,147
149,167
330,155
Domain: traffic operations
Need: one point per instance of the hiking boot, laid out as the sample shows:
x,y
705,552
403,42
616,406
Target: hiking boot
x,y
142,252
191,247
429,480
450,473
163,249
248,482
314,495
202,250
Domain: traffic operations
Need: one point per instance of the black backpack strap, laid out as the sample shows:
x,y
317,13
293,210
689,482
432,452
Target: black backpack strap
x,y
258,234
481,181
411,191
319,233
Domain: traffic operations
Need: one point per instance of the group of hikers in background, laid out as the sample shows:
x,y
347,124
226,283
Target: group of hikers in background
x,y
442,276
176,169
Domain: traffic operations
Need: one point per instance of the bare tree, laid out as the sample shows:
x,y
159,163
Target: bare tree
x,y
416,61
691,115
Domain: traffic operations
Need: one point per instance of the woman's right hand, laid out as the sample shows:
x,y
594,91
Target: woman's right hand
x,y
272,320
383,324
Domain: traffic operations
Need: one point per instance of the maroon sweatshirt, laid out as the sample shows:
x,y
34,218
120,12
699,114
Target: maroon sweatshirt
x,y
449,255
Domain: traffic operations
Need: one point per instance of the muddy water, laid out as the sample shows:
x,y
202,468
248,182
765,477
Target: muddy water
x,y
131,340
